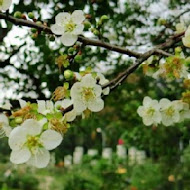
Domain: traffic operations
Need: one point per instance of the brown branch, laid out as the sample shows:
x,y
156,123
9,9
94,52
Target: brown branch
x,y
122,76
171,22
82,39
158,49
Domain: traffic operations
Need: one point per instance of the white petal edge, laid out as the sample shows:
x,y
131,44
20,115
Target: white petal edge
x,y
6,5
78,16
51,139
68,39
40,159
20,156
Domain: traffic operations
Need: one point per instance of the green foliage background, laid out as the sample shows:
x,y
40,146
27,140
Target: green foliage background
x,y
29,70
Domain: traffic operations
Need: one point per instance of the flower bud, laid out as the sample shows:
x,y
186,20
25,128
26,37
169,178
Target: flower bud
x,y
39,23
34,30
162,22
87,25
18,14
178,50
34,36
71,50
68,74
18,120
104,18
78,58
96,32
99,23
31,15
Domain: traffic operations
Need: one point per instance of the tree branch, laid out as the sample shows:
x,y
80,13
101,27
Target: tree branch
x,y
82,39
122,76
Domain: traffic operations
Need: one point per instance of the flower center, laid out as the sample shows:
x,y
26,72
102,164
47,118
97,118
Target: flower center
x,y
33,142
170,111
88,94
150,111
59,126
70,26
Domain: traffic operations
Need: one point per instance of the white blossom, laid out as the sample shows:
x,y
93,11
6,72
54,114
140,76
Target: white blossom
x,y
45,107
69,26
71,115
150,111
102,81
7,105
185,112
87,95
180,27
22,103
170,111
5,129
186,39
30,144
5,4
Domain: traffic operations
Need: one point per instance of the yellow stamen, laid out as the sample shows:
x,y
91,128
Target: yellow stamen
x,y
33,141
88,94
59,93
70,26
170,111
59,126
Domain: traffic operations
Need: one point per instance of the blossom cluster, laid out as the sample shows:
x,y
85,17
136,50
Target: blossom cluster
x,y
173,67
36,128
165,111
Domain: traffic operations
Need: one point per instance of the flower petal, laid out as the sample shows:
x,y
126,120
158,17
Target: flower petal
x,y
147,121
68,39
96,105
49,105
106,91
40,159
32,126
62,18
140,111
7,130
164,103
51,139
20,156
88,81
76,90
7,105
22,103
98,90
78,16
78,29
41,106
66,103
70,116
147,101
58,30
79,105
17,138
6,5
4,119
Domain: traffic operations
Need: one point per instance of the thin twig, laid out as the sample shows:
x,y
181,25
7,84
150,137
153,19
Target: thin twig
x,y
87,41
122,76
